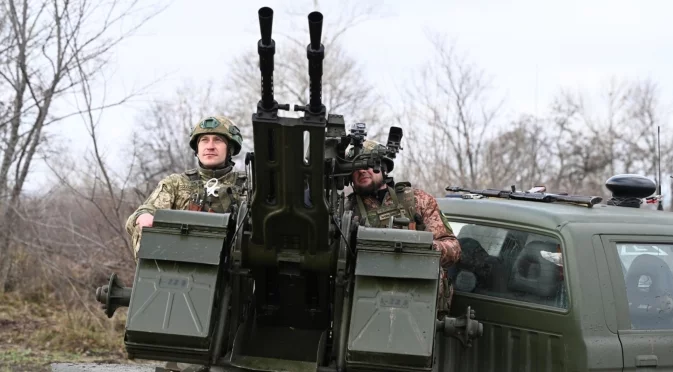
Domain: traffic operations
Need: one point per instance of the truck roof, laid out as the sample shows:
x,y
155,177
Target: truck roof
x,y
550,215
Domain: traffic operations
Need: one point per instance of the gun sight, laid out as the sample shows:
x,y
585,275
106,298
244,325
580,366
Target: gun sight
x,y
394,141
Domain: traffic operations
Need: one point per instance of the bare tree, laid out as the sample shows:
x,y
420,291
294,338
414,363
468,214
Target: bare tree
x,y
452,113
77,227
579,145
578,154
639,135
590,146
639,148
518,155
45,45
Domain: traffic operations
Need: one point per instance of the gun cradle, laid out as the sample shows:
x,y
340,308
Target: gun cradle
x,y
283,228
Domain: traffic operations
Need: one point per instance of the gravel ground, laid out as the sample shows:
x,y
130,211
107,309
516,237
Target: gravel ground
x,y
96,367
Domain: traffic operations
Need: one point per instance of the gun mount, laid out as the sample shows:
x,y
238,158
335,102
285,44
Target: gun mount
x,y
280,284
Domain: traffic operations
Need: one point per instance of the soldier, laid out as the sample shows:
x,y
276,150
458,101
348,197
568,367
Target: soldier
x,y
375,199
214,140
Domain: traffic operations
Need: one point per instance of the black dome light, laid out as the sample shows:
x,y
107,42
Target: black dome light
x,y
628,190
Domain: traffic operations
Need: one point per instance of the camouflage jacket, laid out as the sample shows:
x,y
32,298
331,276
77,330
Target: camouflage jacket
x,y
177,190
420,207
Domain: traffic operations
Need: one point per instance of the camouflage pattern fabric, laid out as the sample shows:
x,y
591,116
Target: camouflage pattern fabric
x,y
432,220
176,191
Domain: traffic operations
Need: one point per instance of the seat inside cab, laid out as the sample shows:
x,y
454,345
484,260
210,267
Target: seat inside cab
x,y
511,264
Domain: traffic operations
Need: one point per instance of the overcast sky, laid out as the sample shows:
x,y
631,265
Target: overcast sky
x,y
529,48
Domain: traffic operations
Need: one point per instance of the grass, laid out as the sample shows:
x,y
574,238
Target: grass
x,y
32,360
39,330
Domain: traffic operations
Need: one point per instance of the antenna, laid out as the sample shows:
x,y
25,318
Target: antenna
x,y
536,118
660,207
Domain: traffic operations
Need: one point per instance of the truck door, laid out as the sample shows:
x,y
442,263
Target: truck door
x,y
514,279
641,271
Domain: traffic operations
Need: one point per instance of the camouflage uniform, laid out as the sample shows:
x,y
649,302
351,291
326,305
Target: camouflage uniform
x,y
423,211
178,190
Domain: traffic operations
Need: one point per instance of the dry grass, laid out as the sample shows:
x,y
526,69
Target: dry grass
x,y
34,334
60,249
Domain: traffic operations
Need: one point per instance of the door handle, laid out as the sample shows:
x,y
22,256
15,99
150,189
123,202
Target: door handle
x,y
647,361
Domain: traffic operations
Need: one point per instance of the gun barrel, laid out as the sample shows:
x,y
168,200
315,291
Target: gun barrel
x,y
266,48
315,29
265,24
315,53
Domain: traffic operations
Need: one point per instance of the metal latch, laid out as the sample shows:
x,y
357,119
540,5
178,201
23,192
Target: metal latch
x,y
184,229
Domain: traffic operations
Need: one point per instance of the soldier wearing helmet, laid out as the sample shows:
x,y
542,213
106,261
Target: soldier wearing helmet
x,y
212,187
376,199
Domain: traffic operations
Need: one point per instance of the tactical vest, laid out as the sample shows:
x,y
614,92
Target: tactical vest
x,y
229,190
404,205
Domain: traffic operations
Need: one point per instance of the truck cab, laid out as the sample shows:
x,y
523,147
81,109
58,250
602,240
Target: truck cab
x,y
561,287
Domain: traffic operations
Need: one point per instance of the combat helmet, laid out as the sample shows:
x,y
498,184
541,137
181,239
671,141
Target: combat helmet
x,y
367,147
218,125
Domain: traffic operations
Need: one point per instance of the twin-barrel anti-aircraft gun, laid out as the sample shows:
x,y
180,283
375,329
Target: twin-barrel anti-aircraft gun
x,y
284,285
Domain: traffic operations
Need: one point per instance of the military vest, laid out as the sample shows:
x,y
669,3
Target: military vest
x,y
226,190
403,205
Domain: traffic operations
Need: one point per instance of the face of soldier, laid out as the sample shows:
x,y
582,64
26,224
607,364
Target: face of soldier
x,y
365,181
212,150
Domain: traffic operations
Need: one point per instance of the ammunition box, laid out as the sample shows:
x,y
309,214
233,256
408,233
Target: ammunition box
x,y
174,299
394,299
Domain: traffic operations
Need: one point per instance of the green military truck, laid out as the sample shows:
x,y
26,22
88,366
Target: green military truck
x,y
562,286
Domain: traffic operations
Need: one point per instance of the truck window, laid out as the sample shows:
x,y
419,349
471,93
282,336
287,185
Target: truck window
x,y
509,264
648,274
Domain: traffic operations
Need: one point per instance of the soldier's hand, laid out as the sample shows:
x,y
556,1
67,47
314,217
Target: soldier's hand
x,y
145,220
